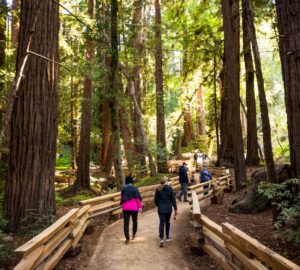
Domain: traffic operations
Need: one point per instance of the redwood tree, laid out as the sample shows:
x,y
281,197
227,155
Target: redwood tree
x,y
266,129
115,124
162,166
288,13
230,10
33,126
252,141
83,160
201,127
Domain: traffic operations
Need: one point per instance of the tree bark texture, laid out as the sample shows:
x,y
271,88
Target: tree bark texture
x,y
162,165
288,13
230,10
83,160
201,126
33,126
266,129
113,102
226,146
188,129
137,56
252,158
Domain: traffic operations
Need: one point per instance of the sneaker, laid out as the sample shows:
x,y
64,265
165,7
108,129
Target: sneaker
x,y
126,241
161,243
179,199
168,239
133,237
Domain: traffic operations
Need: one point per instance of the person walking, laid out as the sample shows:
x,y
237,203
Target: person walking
x,y
184,181
205,176
165,200
131,202
195,159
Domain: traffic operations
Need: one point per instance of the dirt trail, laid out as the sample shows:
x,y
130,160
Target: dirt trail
x,y
143,252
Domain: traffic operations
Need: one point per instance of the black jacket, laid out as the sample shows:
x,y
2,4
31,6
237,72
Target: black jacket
x,y
129,192
183,176
165,199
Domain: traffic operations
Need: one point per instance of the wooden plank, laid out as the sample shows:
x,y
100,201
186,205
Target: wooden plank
x,y
100,198
219,258
80,234
102,206
197,186
96,214
56,257
263,253
53,243
45,235
251,264
80,224
83,210
196,207
224,177
29,260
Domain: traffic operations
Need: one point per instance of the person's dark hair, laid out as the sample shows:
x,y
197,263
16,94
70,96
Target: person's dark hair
x,y
184,163
128,179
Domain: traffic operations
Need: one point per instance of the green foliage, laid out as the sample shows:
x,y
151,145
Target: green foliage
x,y
286,198
63,161
152,180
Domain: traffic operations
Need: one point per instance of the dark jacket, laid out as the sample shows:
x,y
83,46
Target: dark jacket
x,y
195,156
183,176
129,192
165,199
205,176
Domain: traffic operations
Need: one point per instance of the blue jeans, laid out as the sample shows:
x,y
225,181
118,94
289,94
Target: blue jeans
x,y
184,187
164,221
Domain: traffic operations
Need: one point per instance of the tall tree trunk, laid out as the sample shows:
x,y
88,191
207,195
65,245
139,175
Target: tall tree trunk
x,y
252,141
288,13
126,133
105,159
188,133
216,110
74,132
137,56
3,14
230,10
14,23
83,161
30,185
201,126
162,165
266,129
226,146
113,102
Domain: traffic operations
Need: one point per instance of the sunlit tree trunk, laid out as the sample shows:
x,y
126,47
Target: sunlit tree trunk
x,y
188,129
288,13
201,127
230,10
252,158
33,126
162,166
266,129
83,160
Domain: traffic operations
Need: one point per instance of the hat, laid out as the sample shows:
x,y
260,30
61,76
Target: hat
x,y
128,180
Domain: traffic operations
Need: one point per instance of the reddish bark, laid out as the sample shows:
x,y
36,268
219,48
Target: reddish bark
x,y
201,127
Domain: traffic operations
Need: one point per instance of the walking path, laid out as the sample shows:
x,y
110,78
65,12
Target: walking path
x,y
143,252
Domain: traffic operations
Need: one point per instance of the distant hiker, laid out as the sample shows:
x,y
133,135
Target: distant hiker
x,y
184,181
131,201
165,200
195,159
205,176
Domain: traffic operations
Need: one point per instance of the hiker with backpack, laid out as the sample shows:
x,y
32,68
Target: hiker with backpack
x,y
165,201
131,202
205,176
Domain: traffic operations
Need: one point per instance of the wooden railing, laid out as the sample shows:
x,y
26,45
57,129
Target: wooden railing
x,y
211,188
231,247
46,249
